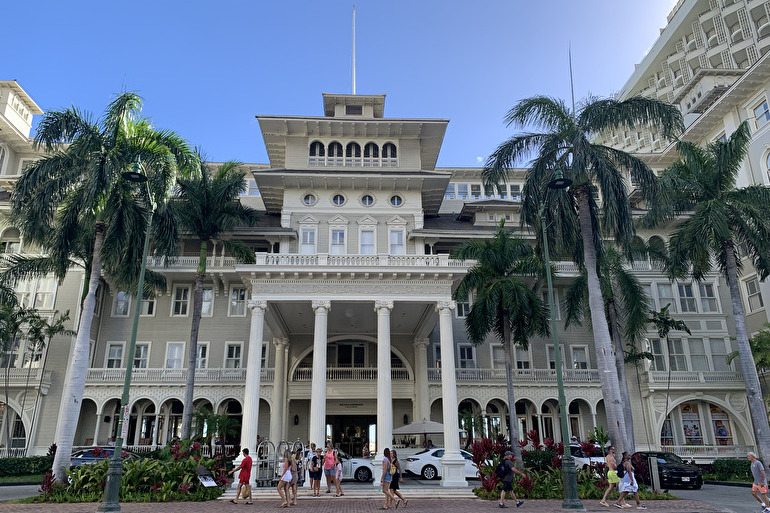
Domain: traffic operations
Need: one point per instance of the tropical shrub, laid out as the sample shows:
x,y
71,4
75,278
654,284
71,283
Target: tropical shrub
x,y
25,466
732,469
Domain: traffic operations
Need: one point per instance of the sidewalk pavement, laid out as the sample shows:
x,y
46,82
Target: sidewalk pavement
x,y
350,505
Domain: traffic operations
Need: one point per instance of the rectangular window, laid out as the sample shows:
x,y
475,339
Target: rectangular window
x,y
475,191
708,299
307,244
337,246
367,242
450,191
397,242
523,360
719,352
498,357
44,296
687,299
122,305
174,355
755,296
556,308
658,358
114,359
466,357
202,361
579,357
552,356
698,359
237,306
207,307
141,355
181,301
515,192
148,306
676,356
263,359
666,297
462,191
761,114
233,355
437,355
463,309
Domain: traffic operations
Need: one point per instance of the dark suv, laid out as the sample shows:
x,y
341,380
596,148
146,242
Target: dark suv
x,y
672,470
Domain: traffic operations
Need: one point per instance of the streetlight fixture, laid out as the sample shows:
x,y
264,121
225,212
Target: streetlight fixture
x,y
115,469
568,471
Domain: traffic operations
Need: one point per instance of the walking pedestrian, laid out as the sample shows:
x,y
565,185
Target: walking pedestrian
x,y
244,476
315,472
397,479
297,474
285,479
329,458
338,475
628,484
386,479
760,481
507,480
612,475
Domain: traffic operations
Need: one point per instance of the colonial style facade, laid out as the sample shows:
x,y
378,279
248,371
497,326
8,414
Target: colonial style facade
x,y
345,328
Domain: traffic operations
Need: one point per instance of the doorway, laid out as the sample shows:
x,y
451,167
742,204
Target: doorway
x,y
351,432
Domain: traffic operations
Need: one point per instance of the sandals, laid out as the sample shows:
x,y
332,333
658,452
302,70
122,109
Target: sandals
x,y
233,501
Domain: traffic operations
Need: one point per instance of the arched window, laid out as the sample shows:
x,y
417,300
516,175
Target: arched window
x,y
371,155
10,241
389,155
353,154
767,165
335,154
316,153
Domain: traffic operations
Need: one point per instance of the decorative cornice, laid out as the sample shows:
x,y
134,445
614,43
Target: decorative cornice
x,y
256,304
318,304
381,304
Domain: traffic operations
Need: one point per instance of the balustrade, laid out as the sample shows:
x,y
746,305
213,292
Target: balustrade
x,y
178,376
695,377
350,374
520,375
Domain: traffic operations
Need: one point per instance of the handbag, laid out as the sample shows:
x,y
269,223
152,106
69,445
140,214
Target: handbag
x,y
287,476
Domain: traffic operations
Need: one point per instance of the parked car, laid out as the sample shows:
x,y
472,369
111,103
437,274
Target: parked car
x,y
672,470
583,461
427,465
360,469
95,455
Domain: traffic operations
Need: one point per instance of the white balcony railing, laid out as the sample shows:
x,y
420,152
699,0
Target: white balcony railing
x,y
708,452
521,375
382,260
695,377
176,376
349,374
18,377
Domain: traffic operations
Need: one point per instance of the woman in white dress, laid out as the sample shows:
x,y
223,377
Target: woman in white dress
x,y
628,484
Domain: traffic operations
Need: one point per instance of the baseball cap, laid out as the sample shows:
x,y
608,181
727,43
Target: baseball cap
x,y
508,453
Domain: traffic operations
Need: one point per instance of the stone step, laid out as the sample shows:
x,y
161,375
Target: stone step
x,y
421,492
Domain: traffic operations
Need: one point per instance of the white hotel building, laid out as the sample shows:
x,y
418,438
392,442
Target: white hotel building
x,y
345,327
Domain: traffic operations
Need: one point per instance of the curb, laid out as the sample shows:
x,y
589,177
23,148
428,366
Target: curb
x,y
728,483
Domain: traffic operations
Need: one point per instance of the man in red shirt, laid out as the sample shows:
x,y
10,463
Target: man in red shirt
x,y
243,478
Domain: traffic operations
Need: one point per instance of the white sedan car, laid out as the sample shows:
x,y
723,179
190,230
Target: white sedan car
x,y
582,461
427,464
360,469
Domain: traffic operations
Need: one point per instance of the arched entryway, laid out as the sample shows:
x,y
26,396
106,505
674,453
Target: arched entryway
x,y
497,421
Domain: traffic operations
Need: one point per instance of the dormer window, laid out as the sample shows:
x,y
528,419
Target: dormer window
x,y
354,110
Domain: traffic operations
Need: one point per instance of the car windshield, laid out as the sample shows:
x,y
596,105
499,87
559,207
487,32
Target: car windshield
x,y
421,452
667,457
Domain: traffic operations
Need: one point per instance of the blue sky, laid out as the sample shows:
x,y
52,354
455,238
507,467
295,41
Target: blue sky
x,y
205,69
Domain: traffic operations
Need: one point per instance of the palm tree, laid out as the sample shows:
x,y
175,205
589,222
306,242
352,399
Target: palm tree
x,y
720,217
760,349
625,304
207,207
502,302
565,140
73,200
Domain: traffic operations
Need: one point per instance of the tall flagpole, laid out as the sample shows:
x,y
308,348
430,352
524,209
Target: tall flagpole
x,y
571,82
354,49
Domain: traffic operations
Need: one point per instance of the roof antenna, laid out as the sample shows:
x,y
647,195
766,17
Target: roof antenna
x,y
571,83
354,49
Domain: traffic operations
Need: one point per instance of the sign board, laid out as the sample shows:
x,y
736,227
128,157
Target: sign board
x,y
124,427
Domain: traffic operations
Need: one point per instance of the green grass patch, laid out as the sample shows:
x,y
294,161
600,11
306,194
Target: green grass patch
x,y
32,478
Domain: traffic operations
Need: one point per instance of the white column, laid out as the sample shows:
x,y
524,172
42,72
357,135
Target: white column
x,y
97,427
250,420
279,383
318,394
421,409
452,464
384,388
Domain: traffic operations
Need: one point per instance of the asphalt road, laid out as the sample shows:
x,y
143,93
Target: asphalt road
x,y
17,492
734,499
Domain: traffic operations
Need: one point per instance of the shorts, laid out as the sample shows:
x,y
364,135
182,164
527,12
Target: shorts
x,y
330,471
612,476
507,486
759,488
387,477
315,475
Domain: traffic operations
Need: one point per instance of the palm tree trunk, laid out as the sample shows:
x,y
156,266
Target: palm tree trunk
x,y
508,350
37,399
192,356
750,378
605,358
72,395
620,363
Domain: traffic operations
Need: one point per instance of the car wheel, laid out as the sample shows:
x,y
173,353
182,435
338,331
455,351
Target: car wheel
x,y
363,474
429,472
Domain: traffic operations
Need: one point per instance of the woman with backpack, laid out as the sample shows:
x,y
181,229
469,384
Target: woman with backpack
x,y
395,470
298,474
386,479
628,483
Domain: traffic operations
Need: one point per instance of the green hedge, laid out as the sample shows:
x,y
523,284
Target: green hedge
x,y
732,469
25,466
539,460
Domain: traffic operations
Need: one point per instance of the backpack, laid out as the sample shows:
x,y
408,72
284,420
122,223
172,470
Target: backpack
x,y
501,469
621,471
